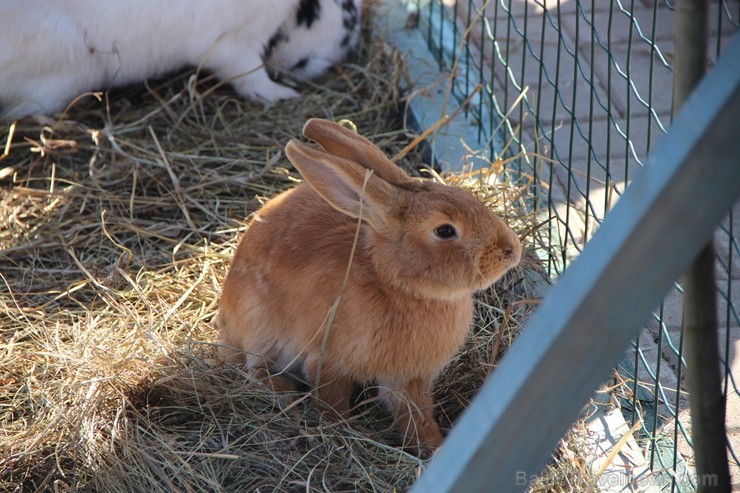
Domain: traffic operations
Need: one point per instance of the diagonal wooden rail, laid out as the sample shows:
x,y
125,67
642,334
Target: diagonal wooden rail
x,y
665,217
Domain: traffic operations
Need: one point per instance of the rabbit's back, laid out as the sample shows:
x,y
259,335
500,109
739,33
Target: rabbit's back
x,y
54,50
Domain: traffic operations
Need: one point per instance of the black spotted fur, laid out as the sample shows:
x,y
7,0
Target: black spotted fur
x,y
308,12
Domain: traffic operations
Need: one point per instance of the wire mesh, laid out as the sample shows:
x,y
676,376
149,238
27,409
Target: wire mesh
x,y
576,93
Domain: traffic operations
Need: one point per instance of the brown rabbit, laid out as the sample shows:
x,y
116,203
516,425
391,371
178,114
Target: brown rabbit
x,y
423,249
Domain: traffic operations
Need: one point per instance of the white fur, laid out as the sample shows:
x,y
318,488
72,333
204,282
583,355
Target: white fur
x,y
54,50
319,46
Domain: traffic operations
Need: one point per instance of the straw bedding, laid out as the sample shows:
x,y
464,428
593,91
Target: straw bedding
x,y
117,223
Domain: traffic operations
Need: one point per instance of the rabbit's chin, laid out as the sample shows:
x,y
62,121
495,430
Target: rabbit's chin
x,y
486,282
429,290
425,290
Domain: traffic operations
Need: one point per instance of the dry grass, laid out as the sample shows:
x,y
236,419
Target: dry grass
x,y
118,222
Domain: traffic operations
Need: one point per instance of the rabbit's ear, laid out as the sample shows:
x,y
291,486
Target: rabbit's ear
x,y
341,182
345,143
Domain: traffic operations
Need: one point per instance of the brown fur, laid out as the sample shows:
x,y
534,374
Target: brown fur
x,y
407,305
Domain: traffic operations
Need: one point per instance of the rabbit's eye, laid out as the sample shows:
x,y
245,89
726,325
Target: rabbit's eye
x,y
445,231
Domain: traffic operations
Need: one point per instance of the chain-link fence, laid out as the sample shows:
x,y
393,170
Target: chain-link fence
x,y
573,95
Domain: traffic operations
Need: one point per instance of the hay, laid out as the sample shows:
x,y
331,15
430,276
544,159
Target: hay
x,y
118,222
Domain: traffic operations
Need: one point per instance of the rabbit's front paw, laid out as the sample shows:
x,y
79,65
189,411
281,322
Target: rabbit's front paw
x,y
271,92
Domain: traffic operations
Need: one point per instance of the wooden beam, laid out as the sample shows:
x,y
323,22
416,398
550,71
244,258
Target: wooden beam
x,y
666,215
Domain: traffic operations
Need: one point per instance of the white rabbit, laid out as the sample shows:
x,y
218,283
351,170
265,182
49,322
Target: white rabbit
x,y
54,50
319,33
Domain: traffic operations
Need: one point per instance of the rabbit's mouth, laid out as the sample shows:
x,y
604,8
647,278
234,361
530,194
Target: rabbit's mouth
x,y
493,268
